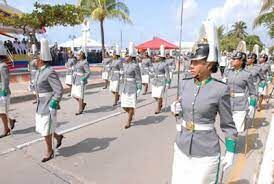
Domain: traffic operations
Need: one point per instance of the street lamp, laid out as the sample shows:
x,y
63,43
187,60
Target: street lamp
x,y
72,37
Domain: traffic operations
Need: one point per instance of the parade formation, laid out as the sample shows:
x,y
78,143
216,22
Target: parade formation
x,y
219,94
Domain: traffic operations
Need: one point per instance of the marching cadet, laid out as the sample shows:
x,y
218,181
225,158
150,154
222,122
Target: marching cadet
x,y
116,70
160,79
106,70
146,66
8,123
266,71
32,69
171,65
81,73
49,90
69,65
201,98
132,84
242,89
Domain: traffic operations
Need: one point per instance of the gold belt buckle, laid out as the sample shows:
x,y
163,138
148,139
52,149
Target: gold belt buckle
x,y
190,126
232,94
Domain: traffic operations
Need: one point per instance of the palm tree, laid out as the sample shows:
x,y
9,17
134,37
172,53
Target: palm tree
x,y
266,15
101,10
220,31
5,2
238,29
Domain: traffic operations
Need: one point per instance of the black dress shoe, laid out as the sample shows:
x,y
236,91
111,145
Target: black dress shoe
x,y
59,142
12,123
78,113
7,133
84,106
127,126
48,158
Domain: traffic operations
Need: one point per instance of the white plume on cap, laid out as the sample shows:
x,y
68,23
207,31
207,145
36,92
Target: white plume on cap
x,y
33,49
208,35
3,50
162,51
148,51
241,47
117,50
45,50
256,49
131,50
171,53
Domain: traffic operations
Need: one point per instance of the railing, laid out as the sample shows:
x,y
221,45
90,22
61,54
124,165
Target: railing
x,y
11,63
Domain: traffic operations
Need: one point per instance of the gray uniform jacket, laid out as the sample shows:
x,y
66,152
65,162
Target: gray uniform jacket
x,y
131,78
116,67
106,64
69,64
146,66
32,69
201,105
171,64
5,78
81,69
257,74
160,73
47,81
266,69
240,82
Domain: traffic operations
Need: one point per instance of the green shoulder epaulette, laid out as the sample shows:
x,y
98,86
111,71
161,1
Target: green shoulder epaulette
x,y
217,80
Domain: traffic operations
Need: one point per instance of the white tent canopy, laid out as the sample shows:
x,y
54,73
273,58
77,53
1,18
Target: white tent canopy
x,y
80,42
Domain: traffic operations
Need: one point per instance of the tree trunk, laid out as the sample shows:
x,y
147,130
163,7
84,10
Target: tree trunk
x,y
102,38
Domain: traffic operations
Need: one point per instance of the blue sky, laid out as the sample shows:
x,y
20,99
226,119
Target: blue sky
x,y
160,18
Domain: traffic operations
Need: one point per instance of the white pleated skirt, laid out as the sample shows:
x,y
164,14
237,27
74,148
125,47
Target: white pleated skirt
x,y
4,107
128,101
157,91
171,75
262,91
194,170
77,91
68,80
145,79
239,120
105,75
45,124
114,86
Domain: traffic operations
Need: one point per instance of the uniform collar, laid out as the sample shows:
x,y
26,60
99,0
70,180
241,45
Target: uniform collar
x,y
43,67
237,71
204,82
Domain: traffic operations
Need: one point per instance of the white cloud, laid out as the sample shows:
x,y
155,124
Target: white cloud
x,y
189,11
239,10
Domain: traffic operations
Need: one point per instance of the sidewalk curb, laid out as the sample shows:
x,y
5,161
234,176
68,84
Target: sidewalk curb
x,y
28,97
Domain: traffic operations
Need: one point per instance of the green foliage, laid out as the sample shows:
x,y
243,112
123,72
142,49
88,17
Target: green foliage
x,y
251,40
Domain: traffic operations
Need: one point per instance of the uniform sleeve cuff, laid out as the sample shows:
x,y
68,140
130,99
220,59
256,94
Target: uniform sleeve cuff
x,y
230,145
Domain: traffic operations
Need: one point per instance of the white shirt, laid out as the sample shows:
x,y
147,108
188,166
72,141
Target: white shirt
x,y
223,61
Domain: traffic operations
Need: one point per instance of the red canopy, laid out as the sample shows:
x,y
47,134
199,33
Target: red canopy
x,y
155,43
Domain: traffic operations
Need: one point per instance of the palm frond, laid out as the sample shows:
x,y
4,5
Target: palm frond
x,y
118,6
267,5
98,14
119,15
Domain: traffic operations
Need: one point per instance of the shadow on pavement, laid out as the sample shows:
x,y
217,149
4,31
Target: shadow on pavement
x,y
88,145
32,129
101,109
254,143
150,120
140,100
242,181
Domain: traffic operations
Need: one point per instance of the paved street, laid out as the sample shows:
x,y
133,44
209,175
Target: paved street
x,y
98,150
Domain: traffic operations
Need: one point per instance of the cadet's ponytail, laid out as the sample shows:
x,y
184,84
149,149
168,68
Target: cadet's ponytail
x,y
214,67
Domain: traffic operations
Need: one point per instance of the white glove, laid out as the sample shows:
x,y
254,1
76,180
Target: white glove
x,y
224,79
227,160
139,92
121,72
176,108
251,111
4,99
52,111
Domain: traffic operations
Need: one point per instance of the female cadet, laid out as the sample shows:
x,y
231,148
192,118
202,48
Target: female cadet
x,y
145,70
160,79
132,84
69,65
106,70
266,71
255,70
241,87
8,123
81,72
201,98
49,91
116,70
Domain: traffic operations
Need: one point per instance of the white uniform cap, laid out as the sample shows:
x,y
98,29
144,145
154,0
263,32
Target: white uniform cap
x,y
162,51
45,50
131,50
256,49
117,50
242,47
3,50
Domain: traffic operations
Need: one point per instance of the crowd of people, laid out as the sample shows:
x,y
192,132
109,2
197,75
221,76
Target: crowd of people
x,y
16,46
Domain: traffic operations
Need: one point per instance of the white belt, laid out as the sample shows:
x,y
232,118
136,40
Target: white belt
x,y
129,79
116,71
77,73
160,75
193,126
237,94
146,68
33,70
44,94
